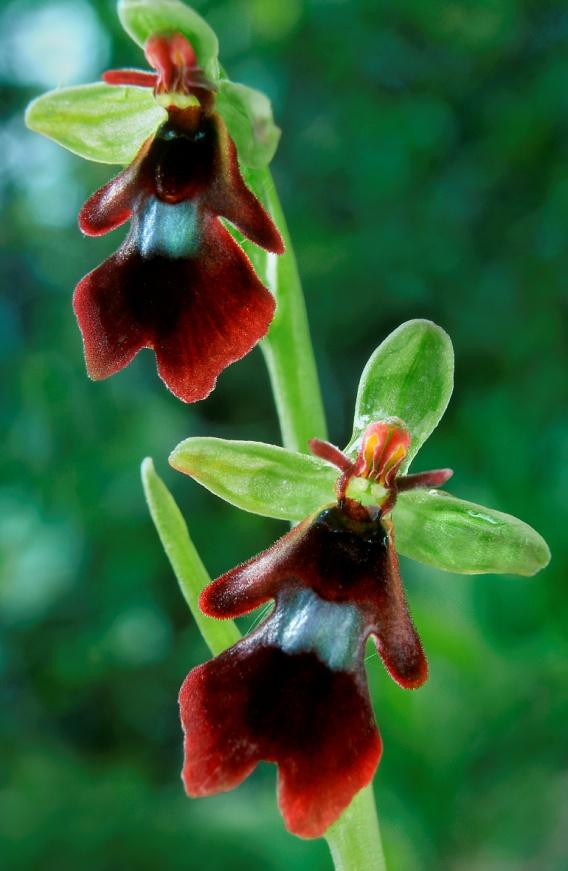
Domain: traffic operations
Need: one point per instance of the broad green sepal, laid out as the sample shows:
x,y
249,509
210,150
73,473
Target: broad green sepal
x,y
144,18
185,561
100,122
262,479
435,528
248,116
410,376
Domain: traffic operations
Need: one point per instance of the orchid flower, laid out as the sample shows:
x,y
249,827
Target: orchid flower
x,y
179,283
294,690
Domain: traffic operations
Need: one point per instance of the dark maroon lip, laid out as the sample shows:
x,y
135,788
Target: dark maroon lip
x,y
294,692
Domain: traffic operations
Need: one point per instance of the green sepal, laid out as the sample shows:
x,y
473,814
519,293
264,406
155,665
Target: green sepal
x,y
144,18
435,528
248,116
262,479
409,376
185,561
100,122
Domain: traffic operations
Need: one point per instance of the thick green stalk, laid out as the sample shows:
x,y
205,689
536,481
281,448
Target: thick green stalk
x,y
355,839
288,348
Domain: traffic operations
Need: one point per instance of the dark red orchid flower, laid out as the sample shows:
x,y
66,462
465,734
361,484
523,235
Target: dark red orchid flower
x,y
294,691
179,283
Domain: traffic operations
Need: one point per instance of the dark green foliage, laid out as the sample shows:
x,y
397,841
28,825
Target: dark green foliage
x,y
423,169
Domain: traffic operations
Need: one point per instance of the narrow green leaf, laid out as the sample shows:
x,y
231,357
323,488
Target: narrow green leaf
x,y
435,528
144,18
185,561
248,116
410,376
263,479
101,122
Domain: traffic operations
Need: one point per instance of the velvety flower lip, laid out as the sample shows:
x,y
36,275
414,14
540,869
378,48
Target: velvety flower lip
x,y
179,283
294,691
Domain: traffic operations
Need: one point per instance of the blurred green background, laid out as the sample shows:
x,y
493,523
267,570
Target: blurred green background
x,y
424,172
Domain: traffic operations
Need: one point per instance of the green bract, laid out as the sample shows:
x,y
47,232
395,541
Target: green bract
x,y
144,18
409,377
185,561
109,123
101,122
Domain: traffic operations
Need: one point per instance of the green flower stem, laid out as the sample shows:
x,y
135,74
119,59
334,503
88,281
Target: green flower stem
x,y
355,839
288,348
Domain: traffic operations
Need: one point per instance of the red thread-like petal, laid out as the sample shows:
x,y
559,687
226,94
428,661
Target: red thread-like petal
x,y
138,78
256,702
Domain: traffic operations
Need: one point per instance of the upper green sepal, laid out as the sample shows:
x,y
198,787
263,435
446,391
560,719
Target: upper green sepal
x,y
409,376
248,116
262,479
435,528
105,123
144,18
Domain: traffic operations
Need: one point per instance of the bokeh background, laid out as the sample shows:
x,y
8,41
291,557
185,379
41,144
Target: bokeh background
x,y
424,172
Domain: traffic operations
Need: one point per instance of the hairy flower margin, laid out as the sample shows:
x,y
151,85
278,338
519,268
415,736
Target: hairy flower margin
x,y
294,691
179,283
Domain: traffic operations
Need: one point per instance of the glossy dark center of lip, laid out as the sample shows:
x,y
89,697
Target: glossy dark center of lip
x,y
181,161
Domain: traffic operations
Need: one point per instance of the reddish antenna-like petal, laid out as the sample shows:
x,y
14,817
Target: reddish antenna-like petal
x,y
435,478
328,452
139,78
